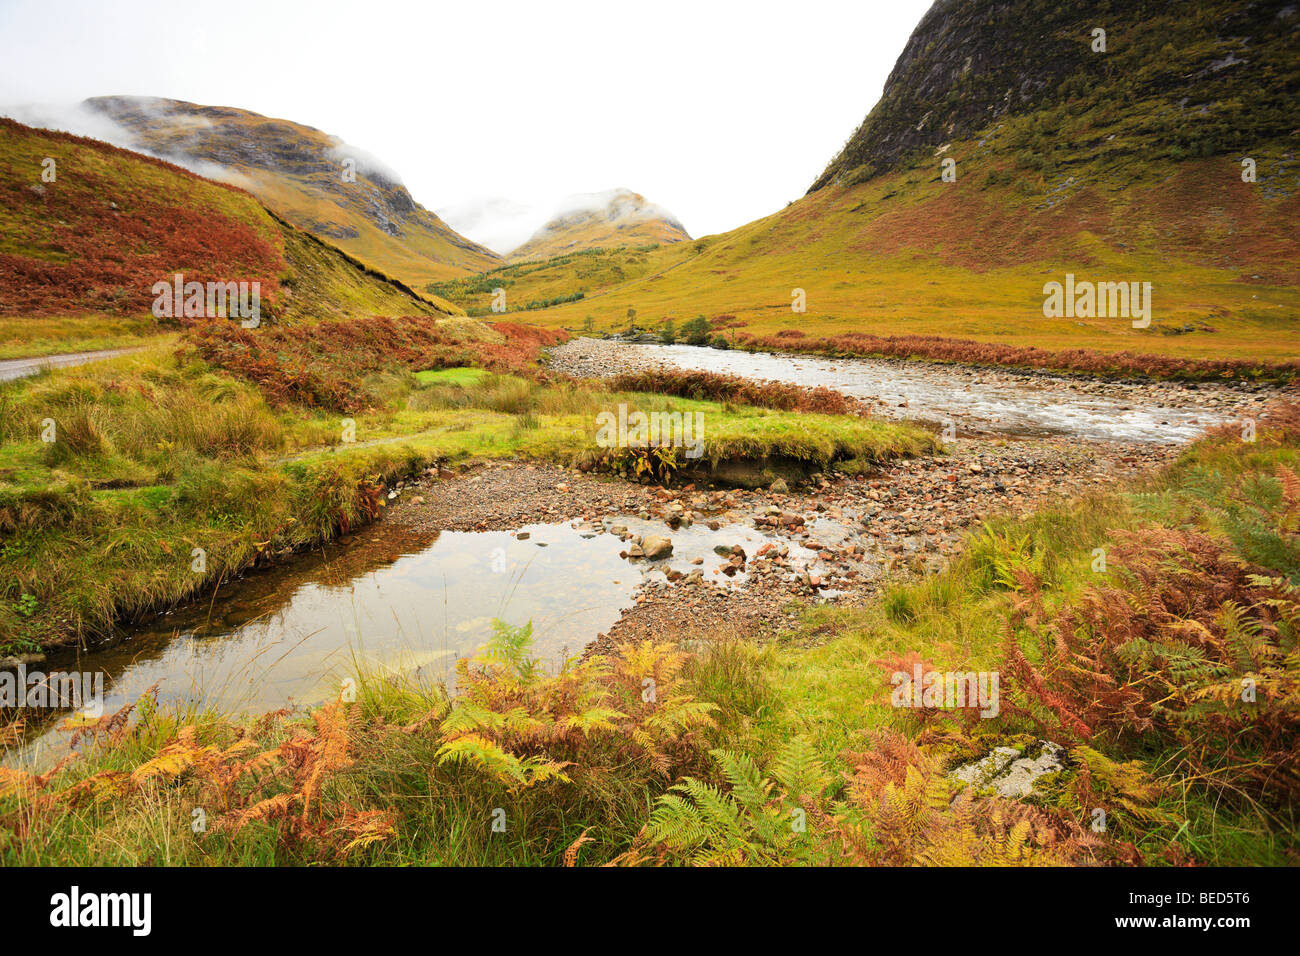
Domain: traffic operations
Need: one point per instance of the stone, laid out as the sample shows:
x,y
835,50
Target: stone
x,y
1008,773
657,546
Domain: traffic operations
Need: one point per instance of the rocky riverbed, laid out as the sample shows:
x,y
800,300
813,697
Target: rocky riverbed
x,y
976,400
834,539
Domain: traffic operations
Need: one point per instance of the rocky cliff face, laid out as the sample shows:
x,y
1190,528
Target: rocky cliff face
x,y
1206,77
314,180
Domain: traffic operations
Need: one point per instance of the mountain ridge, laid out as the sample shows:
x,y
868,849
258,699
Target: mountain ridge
x,y
314,180
1153,71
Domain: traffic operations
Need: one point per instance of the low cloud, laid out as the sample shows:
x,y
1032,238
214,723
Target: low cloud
x,y
78,119
82,120
368,164
502,225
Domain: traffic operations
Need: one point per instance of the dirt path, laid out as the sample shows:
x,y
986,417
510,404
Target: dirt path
x,y
11,369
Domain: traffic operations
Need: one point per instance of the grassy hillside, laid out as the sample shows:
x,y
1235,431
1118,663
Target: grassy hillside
x,y
538,285
79,255
1117,166
906,254
326,283
113,222
298,172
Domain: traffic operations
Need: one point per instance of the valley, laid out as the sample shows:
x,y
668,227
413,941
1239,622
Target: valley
x,y
364,573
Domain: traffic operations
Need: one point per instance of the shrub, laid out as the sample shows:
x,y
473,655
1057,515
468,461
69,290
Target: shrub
x,y
696,331
710,386
326,364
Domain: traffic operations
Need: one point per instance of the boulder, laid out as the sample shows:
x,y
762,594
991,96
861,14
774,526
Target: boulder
x,y
1008,773
657,546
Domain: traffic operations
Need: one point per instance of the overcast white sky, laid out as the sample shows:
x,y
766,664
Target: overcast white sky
x,y
721,112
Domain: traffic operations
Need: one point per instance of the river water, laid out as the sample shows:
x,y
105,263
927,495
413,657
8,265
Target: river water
x,y
393,601
976,400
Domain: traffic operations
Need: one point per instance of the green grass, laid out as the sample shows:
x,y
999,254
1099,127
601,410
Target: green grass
x,y
31,337
833,686
158,455
450,376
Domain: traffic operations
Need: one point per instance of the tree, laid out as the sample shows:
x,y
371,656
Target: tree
x,y
696,331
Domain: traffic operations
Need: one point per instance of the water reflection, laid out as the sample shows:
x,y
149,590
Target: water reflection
x,y
389,600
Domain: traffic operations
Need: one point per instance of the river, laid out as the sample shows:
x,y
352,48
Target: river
x,y
976,400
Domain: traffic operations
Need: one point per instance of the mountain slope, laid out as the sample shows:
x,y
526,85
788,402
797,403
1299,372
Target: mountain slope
x,y
610,219
92,243
313,180
1211,78
1129,171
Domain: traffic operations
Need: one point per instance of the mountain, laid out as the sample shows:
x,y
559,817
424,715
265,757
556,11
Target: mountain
x,y
1119,165
616,218
313,180
87,229
1207,79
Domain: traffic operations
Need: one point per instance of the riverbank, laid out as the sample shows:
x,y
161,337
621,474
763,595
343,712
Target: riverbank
x,y
165,473
578,764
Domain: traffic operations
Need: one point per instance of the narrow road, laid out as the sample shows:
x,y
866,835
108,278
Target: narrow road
x,y
11,369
